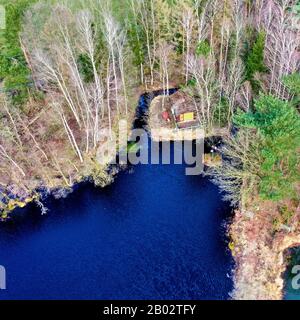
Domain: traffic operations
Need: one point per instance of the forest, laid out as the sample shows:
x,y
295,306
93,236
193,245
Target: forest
x,y
71,69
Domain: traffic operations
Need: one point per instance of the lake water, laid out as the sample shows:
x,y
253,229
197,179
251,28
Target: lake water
x,y
155,233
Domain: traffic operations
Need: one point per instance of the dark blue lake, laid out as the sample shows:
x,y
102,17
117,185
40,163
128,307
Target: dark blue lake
x,y
155,233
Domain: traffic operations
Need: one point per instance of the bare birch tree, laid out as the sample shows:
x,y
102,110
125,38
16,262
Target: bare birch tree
x,y
282,28
187,22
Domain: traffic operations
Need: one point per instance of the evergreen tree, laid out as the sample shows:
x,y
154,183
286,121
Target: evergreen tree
x,y
277,127
292,82
255,61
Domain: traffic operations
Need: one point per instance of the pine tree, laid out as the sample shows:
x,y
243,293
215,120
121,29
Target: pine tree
x,y
277,126
255,61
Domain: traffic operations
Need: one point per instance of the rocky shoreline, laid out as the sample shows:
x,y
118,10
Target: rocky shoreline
x,y
11,201
259,253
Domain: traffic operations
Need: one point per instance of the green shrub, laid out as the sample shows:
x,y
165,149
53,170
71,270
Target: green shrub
x,y
203,49
221,113
292,82
86,67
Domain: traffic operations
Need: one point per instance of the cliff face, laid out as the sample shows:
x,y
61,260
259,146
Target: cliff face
x,y
259,252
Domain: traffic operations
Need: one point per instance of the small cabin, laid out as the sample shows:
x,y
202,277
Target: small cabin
x,y
182,111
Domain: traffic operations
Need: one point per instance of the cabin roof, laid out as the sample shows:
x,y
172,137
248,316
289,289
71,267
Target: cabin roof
x,y
181,103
